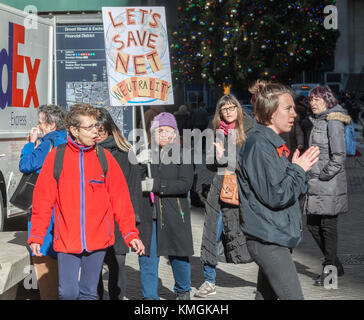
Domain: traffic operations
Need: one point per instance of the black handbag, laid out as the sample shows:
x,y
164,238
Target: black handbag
x,y
23,194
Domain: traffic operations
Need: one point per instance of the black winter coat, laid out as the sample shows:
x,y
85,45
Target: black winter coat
x,y
269,190
172,183
132,176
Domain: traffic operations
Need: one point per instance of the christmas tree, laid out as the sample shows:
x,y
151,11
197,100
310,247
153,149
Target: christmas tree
x,y
233,41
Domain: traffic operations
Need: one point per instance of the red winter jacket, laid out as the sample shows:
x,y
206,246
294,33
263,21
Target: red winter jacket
x,y
85,203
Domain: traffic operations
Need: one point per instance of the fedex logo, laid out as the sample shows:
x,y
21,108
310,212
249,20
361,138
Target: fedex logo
x,y
14,62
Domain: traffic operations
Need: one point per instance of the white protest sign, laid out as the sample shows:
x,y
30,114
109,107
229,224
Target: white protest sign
x,y
137,56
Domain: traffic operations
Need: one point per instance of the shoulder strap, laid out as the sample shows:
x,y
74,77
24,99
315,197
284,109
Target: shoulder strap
x,y
58,161
102,158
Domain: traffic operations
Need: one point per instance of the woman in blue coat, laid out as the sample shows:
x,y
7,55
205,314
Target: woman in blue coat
x,y
51,126
269,190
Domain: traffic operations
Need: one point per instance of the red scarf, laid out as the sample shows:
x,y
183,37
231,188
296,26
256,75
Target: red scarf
x,y
282,148
226,128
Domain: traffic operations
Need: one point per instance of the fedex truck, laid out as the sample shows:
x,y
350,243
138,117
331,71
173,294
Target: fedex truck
x,y
26,74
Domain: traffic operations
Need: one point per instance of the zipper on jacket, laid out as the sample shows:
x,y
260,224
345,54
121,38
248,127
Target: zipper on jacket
x,y
160,200
82,186
180,209
108,223
161,212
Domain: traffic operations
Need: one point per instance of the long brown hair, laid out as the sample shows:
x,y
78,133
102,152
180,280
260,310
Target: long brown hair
x,y
105,120
239,122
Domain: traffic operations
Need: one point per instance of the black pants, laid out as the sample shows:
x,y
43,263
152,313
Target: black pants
x,y
324,231
117,276
277,276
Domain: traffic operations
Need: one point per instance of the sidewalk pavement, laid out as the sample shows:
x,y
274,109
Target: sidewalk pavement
x,y
238,282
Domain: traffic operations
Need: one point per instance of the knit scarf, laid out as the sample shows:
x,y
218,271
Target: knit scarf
x,y
226,128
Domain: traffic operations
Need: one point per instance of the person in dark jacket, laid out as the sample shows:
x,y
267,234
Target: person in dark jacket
x,y
302,109
222,221
111,139
200,117
51,126
269,191
327,194
182,118
166,200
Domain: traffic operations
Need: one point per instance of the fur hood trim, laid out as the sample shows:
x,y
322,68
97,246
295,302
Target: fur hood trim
x,y
339,116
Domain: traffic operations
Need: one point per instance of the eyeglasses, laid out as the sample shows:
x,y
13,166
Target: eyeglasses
x,y
89,128
225,110
164,131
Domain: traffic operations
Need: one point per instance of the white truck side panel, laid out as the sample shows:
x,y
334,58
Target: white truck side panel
x,y
17,120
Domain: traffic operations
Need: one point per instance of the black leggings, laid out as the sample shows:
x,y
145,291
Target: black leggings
x,y
324,231
117,276
277,276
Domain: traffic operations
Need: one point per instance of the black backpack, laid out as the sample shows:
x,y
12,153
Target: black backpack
x,y
58,161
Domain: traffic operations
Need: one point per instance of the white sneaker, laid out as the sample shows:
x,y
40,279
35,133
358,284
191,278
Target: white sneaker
x,y
206,289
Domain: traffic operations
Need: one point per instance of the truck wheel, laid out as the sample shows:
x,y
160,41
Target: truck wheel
x,y
2,213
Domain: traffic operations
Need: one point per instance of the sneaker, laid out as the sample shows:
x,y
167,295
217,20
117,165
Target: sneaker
x,y
183,295
206,289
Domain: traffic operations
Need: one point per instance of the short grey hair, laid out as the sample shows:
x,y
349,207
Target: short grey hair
x,y
53,114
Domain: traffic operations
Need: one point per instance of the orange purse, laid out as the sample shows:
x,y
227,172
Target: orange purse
x,y
229,191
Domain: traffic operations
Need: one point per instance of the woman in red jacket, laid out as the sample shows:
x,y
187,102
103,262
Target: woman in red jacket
x,y
86,203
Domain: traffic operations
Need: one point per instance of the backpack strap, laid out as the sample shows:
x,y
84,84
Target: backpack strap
x,y
58,161
102,158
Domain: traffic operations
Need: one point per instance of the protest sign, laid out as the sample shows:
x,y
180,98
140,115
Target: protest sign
x,y
137,56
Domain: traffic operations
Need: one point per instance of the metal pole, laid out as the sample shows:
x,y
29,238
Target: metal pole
x,y
145,139
134,124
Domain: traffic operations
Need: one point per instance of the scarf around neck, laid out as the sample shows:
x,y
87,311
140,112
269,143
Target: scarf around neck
x,y
226,128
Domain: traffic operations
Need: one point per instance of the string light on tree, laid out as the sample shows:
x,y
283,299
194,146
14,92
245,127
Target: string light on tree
x,y
233,40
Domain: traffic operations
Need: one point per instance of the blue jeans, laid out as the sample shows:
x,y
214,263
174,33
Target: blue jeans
x,y
69,265
148,267
209,272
